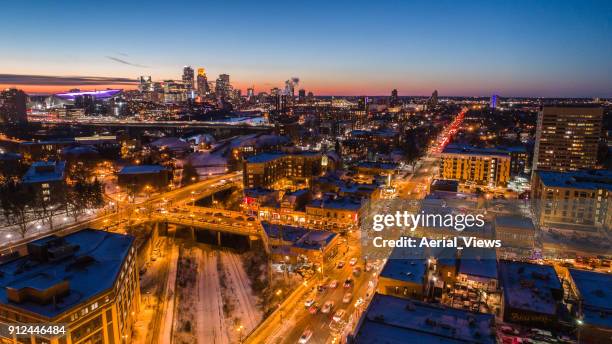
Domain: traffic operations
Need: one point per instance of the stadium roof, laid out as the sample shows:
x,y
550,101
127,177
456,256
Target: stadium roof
x,y
104,94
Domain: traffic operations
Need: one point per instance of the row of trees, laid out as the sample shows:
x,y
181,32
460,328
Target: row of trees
x,y
23,203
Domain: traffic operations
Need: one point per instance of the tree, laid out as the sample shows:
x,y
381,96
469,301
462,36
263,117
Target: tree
x,y
76,199
17,199
190,174
96,194
49,202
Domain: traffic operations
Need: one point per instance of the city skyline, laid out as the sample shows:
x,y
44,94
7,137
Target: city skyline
x,y
345,49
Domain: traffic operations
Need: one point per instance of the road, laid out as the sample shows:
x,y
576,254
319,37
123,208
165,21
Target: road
x,y
290,325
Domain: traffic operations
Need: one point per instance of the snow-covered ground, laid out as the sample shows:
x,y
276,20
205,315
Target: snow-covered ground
x,y
240,287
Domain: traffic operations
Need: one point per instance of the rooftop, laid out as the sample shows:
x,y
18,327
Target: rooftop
x,y
406,265
264,157
380,165
514,221
596,294
104,94
142,169
45,171
471,150
315,240
88,260
529,287
289,233
587,180
343,203
393,320
478,262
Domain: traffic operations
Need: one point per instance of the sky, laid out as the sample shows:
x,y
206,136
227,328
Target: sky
x,y
535,48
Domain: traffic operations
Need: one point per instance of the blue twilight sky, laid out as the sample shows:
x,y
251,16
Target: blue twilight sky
x,y
514,48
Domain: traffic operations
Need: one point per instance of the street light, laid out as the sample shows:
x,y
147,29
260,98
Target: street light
x,y
239,329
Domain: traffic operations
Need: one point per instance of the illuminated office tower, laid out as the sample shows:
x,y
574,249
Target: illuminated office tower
x,y
202,83
567,138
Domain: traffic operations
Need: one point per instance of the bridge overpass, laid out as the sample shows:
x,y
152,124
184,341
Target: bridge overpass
x,y
157,124
133,213
216,221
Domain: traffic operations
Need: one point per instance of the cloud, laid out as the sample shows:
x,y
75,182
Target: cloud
x,y
116,59
48,80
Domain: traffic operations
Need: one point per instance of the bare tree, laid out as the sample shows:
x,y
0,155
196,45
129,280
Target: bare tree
x,y
17,200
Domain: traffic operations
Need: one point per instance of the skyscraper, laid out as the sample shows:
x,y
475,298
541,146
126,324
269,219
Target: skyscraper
x,y
222,86
13,106
145,84
202,83
494,101
302,95
188,77
433,100
567,138
394,100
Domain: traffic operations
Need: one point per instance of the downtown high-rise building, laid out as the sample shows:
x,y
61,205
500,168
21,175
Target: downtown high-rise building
x,y
202,83
433,100
188,77
567,138
13,106
145,84
394,99
223,86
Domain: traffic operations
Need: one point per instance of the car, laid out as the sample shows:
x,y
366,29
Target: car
x,y
356,271
321,288
348,283
309,303
305,337
347,297
251,219
339,314
340,264
327,307
333,284
314,309
359,302
353,261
